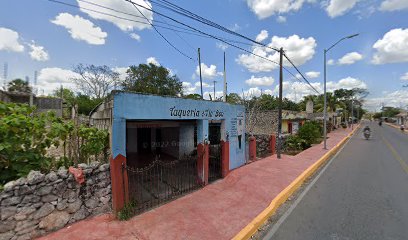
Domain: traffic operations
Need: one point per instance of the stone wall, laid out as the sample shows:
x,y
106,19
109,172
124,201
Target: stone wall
x,y
37,204
263,145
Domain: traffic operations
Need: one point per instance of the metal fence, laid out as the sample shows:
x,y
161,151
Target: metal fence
x,y
214,165
161,181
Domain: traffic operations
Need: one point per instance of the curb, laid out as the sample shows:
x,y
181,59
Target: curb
x,y
259,220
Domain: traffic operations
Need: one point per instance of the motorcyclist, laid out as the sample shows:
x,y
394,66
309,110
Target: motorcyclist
x,y
367,128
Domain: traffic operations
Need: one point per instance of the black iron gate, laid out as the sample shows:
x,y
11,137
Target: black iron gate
x,y
214,164
161,181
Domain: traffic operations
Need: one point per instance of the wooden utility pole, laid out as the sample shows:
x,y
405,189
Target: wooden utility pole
x,y
279,138
201,79
214,89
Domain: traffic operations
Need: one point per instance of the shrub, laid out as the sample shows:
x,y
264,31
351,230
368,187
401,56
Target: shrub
x,y
294,142
25,138
310,132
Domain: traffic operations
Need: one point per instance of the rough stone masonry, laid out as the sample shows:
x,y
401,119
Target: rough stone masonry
x,y
37,204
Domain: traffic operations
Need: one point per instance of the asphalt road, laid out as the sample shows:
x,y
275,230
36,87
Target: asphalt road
x,y
362,194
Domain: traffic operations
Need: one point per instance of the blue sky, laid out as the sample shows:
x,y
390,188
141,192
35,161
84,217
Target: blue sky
x,y
51,38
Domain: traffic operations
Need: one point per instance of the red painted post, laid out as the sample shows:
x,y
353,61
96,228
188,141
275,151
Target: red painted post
x,y
120,184
224,158
252,148
272,144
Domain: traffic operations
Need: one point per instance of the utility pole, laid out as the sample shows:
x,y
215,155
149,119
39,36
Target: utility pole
x,y
214,89
201,79
225,82
352,113
5,73
280,103
325,104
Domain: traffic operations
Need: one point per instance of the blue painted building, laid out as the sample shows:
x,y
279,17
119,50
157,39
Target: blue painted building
x,y
142,125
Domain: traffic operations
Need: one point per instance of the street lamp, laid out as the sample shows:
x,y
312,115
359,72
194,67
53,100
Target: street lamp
x,y
325,95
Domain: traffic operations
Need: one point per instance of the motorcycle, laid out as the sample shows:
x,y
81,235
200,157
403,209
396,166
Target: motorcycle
x,y
402,127
380,123
367,134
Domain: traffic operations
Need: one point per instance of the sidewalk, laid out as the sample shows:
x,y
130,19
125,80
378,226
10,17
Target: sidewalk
x,y
218,211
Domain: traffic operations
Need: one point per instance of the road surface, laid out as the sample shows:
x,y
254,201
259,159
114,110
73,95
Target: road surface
x,y
362,194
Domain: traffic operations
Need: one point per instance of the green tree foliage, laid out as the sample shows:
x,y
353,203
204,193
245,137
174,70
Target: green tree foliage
x,y
234,98
387,112
19,85
268,102
193,96
310,132
152,79
25,138
86,104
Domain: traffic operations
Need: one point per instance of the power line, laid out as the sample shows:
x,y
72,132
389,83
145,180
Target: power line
x,y
215,25
182,11
204,33
161,35
186,31
290,61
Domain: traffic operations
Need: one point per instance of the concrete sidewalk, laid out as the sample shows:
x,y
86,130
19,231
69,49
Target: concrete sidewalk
x,y
218,211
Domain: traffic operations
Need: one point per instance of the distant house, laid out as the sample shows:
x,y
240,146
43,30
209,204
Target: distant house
x,y
266,122
402,118
43,104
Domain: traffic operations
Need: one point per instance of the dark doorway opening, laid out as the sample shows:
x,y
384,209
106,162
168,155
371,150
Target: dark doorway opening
x,y
214,165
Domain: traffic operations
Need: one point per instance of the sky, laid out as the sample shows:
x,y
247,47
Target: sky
x,y
51,38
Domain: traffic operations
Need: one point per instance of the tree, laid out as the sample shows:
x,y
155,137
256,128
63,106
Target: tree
x,y
194,96
153,79
95,81
234,98
19,85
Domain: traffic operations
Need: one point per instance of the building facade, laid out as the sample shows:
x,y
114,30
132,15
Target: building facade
x,y
149,132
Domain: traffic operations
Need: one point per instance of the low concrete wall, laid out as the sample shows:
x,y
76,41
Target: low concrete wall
x,y
38,204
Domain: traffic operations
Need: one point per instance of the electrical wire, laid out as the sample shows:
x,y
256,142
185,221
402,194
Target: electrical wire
x,y
161,35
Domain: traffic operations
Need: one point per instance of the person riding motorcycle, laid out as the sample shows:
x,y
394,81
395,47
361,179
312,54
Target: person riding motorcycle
x,y
380,123
367,132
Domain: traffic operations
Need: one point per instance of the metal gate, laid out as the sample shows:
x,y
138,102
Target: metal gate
x,y
214,164
161,181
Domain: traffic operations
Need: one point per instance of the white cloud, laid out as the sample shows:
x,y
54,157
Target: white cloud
x,y
393,99
221,45
299,50
207,72
38,53
121,71
267,8
9,40
262,36
205,85
122,6
405,76
255,92
261,81
350,58
235,27
281,19
330,62
153,61
312,74
81,29
135,36
392,48
393,5
340,7
188,88
50,79
295,91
